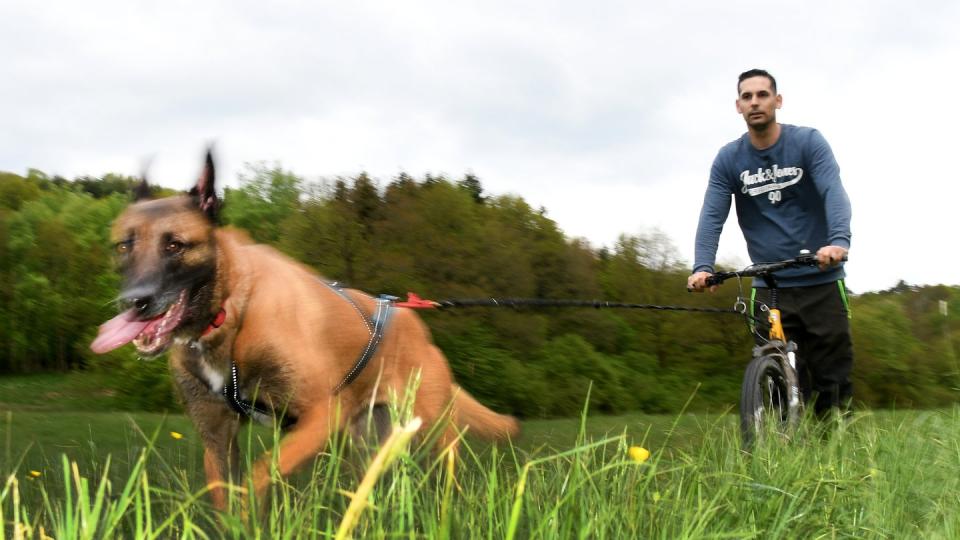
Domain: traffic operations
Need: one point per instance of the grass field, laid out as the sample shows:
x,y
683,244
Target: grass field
x,y
88,473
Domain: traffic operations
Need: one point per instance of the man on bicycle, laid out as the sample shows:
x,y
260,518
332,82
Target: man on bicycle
x,y
786,185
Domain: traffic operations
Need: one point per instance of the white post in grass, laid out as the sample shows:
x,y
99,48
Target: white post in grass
x,y
947,338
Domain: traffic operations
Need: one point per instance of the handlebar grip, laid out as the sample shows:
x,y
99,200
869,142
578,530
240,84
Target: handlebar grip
x,y
712,280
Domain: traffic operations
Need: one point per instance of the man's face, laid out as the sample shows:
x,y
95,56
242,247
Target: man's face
x,y
757,102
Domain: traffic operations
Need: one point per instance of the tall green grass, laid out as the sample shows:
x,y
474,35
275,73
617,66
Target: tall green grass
x,y
871,475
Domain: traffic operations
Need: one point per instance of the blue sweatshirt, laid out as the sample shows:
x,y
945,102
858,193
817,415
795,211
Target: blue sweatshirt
x,y
788,196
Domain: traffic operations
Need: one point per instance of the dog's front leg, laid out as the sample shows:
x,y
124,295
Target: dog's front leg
x,y
217,426
303,442
221,457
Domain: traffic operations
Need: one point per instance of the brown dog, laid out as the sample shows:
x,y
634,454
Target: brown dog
x,y
252,331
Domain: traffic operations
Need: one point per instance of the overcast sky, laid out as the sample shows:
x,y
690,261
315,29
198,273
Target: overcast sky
x,y
607,114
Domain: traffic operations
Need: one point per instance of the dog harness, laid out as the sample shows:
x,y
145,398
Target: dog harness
x,y
376,326
250,409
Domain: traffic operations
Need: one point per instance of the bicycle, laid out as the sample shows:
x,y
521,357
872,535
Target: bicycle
x,y
770,395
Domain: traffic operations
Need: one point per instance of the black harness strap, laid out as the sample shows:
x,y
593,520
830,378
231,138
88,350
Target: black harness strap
x,y
337,288
243,407
376,325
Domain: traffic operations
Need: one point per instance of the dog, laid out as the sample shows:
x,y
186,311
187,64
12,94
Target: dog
x,y
252,332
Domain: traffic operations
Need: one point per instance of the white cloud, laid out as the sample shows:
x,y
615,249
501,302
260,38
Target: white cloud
x,y
607,113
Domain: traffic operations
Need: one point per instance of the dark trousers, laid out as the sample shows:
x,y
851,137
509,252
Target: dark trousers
x,y
816,318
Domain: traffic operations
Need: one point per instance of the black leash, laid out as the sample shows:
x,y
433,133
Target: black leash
x,y
377,324
414,301
546,302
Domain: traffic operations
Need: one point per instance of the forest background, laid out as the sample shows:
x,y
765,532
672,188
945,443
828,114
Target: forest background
x,y
445,238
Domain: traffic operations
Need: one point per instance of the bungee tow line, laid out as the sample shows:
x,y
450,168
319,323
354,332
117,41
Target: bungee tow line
x,y
377,323
416,302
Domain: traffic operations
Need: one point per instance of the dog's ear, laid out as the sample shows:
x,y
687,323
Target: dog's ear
x,y
204,193
141,191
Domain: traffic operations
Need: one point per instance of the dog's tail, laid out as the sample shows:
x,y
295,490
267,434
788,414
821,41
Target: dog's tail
x,y
481,421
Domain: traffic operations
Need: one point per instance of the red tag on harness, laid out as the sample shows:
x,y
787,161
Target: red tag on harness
x,y
415,302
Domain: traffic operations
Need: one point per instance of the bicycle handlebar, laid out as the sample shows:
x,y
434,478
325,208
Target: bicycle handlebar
x,y
764,269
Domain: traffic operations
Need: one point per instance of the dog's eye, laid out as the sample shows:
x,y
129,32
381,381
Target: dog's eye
x,y
173,247
122,248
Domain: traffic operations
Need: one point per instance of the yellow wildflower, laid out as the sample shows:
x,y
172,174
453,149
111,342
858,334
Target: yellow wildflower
x,y
176,435
638,454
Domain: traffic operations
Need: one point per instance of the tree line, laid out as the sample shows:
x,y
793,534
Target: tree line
x,y
446,238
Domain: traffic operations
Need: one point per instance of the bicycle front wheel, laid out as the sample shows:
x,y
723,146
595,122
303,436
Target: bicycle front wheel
x,y
768,399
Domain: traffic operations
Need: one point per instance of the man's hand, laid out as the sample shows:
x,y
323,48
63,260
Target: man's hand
x,y
828,256
698,282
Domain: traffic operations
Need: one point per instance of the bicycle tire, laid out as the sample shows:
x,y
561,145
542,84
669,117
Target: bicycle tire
x,y
768,400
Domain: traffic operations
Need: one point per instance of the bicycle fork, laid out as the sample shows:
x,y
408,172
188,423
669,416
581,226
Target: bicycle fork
x,y
777,333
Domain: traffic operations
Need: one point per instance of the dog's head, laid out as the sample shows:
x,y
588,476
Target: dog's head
x,y
166,253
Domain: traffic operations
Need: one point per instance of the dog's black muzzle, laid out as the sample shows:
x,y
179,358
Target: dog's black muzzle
x,y
148,299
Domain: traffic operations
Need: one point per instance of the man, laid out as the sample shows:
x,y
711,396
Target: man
x,y
786,184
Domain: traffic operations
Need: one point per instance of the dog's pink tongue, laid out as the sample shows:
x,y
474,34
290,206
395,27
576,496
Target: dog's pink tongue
x,y
118,331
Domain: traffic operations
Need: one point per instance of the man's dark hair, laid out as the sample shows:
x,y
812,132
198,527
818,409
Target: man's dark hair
x,y
757,73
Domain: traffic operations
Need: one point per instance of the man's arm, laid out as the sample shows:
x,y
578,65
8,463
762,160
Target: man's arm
x,y
836,204
826,177
713,214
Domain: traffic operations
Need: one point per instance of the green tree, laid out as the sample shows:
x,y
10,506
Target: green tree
x,y
471,184
266,198
15,190
446,239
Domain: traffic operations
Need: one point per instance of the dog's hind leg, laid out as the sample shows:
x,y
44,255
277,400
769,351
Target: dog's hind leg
x,y
434,407
369,428
381,421
303,442
372,424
